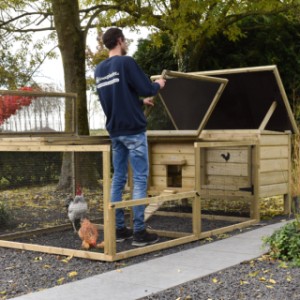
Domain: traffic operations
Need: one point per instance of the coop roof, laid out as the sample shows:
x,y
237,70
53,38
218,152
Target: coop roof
x,y
244,98
254,98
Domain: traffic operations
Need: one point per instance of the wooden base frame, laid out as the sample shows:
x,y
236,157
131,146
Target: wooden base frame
x,y
110,253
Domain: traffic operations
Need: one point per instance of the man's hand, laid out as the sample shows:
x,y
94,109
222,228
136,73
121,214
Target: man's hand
x,y
148,101
161,82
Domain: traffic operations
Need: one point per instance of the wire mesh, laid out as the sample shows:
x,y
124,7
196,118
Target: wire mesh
x,y
34,194
36,112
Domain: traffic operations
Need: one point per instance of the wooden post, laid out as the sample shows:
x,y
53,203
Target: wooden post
x,y
74,162
255,201
197,215
268,116
108,213
288,196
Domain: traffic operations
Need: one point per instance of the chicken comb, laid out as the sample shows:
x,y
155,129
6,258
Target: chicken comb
x,y
78,191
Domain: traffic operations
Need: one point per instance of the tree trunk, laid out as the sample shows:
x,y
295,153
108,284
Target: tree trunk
x,y
196,53
72,42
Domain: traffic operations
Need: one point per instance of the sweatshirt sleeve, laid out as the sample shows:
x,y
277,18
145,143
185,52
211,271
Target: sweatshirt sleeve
x,y
139,81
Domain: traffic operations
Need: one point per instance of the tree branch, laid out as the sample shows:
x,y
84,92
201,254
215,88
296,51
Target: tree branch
x,y
41,62
24,15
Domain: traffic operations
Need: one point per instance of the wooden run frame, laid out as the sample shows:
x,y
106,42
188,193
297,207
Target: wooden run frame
x,y
110,252
35,144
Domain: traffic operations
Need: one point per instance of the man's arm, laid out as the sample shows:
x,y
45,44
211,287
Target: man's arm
x,y
140,82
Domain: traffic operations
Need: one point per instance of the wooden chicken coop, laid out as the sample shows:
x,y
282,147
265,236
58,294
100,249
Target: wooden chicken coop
x,y
231,138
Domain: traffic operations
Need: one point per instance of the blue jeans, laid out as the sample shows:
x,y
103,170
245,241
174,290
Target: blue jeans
x,y
133,148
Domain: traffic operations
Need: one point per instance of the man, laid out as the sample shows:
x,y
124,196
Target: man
x,y
120,83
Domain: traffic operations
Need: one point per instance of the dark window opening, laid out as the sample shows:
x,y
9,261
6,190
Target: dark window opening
x,y
174,173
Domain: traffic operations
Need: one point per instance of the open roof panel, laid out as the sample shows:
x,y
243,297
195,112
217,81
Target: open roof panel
x,y
190,99
254,98
246,98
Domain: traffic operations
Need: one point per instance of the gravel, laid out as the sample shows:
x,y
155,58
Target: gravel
x,y
23,272
256,279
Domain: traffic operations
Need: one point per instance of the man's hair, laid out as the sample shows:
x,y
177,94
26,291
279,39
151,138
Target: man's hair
x,y
111,36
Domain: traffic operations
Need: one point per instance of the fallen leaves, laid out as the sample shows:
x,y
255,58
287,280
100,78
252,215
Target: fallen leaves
x,y
60,280
10,268
72,274
185,298
271,280
23,225
243,282
264,276
223,236
254,274
38,258
283,265
209,239
216,280
263,279
67,259
46,266
3,295
269,287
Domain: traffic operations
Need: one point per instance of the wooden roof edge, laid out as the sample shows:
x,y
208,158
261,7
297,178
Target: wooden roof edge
x,y
272,132
172,74
286,101
236,70
224,71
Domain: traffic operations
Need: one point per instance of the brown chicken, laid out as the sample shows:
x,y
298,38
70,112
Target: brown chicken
x,y
88,233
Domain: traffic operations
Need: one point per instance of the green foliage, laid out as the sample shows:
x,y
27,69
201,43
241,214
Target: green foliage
x,y
270,40
285,243
4,214
155,54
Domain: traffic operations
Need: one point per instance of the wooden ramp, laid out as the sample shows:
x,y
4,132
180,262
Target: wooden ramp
x,y
153,207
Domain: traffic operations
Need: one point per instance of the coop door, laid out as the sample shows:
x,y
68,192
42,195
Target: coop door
x,y
174,175
226,170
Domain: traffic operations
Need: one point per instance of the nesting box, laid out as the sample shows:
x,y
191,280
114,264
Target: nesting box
x,y
231,137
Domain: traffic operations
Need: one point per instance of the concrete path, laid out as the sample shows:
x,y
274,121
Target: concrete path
x,y
155,275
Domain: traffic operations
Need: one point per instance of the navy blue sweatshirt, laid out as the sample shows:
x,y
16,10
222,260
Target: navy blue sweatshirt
x,y
120,83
